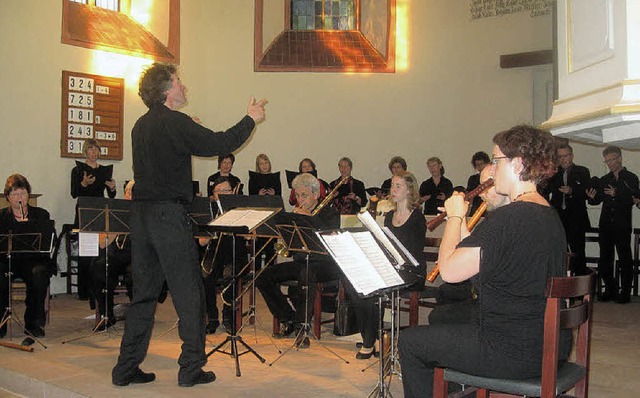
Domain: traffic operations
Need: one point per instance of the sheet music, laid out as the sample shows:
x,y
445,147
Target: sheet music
x,y
354,256
371,224
249,218
89,244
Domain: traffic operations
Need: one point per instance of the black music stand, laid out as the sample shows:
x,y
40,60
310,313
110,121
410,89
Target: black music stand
x,y
265,230
390,282
31,238
108,216
299,235
220,225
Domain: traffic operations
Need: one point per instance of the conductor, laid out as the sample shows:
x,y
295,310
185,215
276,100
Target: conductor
x,y
163,248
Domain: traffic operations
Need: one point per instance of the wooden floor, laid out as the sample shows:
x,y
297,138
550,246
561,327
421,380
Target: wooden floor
x,y
83,368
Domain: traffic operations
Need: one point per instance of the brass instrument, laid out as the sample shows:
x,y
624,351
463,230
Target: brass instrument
x,y
206,265
327,199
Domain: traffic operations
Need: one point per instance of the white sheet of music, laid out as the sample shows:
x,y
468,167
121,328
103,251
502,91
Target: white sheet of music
x,y
371,224
242,217
88,243
362,261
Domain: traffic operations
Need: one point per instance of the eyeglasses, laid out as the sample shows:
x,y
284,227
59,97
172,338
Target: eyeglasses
x,y
607,161
223,190
494,159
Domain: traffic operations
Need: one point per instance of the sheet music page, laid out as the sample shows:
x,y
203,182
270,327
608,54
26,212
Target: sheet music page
x,y
378,259
375,229
236,217
88,244
353,262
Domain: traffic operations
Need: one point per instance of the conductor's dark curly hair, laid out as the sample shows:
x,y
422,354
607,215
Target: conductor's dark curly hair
x,y
534,146
154,83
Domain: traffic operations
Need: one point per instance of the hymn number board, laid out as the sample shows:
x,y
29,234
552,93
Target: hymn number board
x,y
92,107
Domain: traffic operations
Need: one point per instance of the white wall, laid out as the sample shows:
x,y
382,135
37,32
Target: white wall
x,y
448,103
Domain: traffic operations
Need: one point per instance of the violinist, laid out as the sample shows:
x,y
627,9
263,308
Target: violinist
x,y
509,258
351,196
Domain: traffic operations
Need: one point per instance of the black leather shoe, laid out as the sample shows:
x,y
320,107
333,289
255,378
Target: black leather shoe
x,y
36,332
366,353
202,378
623,297
105,325
136,377
212,326
302,342
607,295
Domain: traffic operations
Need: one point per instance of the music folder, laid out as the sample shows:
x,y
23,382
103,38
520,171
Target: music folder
x,y
102,173
293,174
369,258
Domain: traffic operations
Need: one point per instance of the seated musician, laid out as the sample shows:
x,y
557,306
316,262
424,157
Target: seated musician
x,y
351,196
321,267
397,165
509,258
119,264
216,262
457,302
34,269
225,165
307,165
407,223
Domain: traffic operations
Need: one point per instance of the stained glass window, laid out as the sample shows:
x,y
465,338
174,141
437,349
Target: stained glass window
x,y
323,15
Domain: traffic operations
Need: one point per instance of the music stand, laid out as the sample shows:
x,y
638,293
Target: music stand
x,y
107,216
299,235
265,230
230,223
26,237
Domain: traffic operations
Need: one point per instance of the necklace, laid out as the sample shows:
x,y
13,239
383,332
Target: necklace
x,y
523,194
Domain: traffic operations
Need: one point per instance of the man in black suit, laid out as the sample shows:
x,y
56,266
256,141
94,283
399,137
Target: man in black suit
x,y
616,192
566,192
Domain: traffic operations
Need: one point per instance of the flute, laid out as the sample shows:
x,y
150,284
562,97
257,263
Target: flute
x,y
472,223
437,220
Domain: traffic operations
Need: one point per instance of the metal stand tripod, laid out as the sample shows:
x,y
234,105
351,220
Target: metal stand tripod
x,y
233,339
388,365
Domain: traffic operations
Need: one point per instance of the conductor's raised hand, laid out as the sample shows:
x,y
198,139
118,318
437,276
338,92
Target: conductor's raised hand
x,y
256,109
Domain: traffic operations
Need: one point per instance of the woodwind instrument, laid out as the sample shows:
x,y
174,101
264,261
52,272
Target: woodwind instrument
x,y
327,199
472,223
434,222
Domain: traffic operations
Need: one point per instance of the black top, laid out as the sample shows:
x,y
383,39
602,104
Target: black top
x,y
616,210
345,205
163,143
411,234
521,245
96,189
428,187
233,181
326,219
571,208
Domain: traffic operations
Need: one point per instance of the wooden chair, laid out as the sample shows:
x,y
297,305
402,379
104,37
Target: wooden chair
x,y
421,296
556,378
593,236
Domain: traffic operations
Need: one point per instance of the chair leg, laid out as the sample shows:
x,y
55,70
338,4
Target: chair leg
x,y
276,325
414,308
440,385
317,311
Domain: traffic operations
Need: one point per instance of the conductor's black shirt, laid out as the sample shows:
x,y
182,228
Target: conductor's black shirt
x,y
163,143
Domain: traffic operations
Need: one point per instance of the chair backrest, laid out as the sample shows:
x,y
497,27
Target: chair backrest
x,y
578,292
431,247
